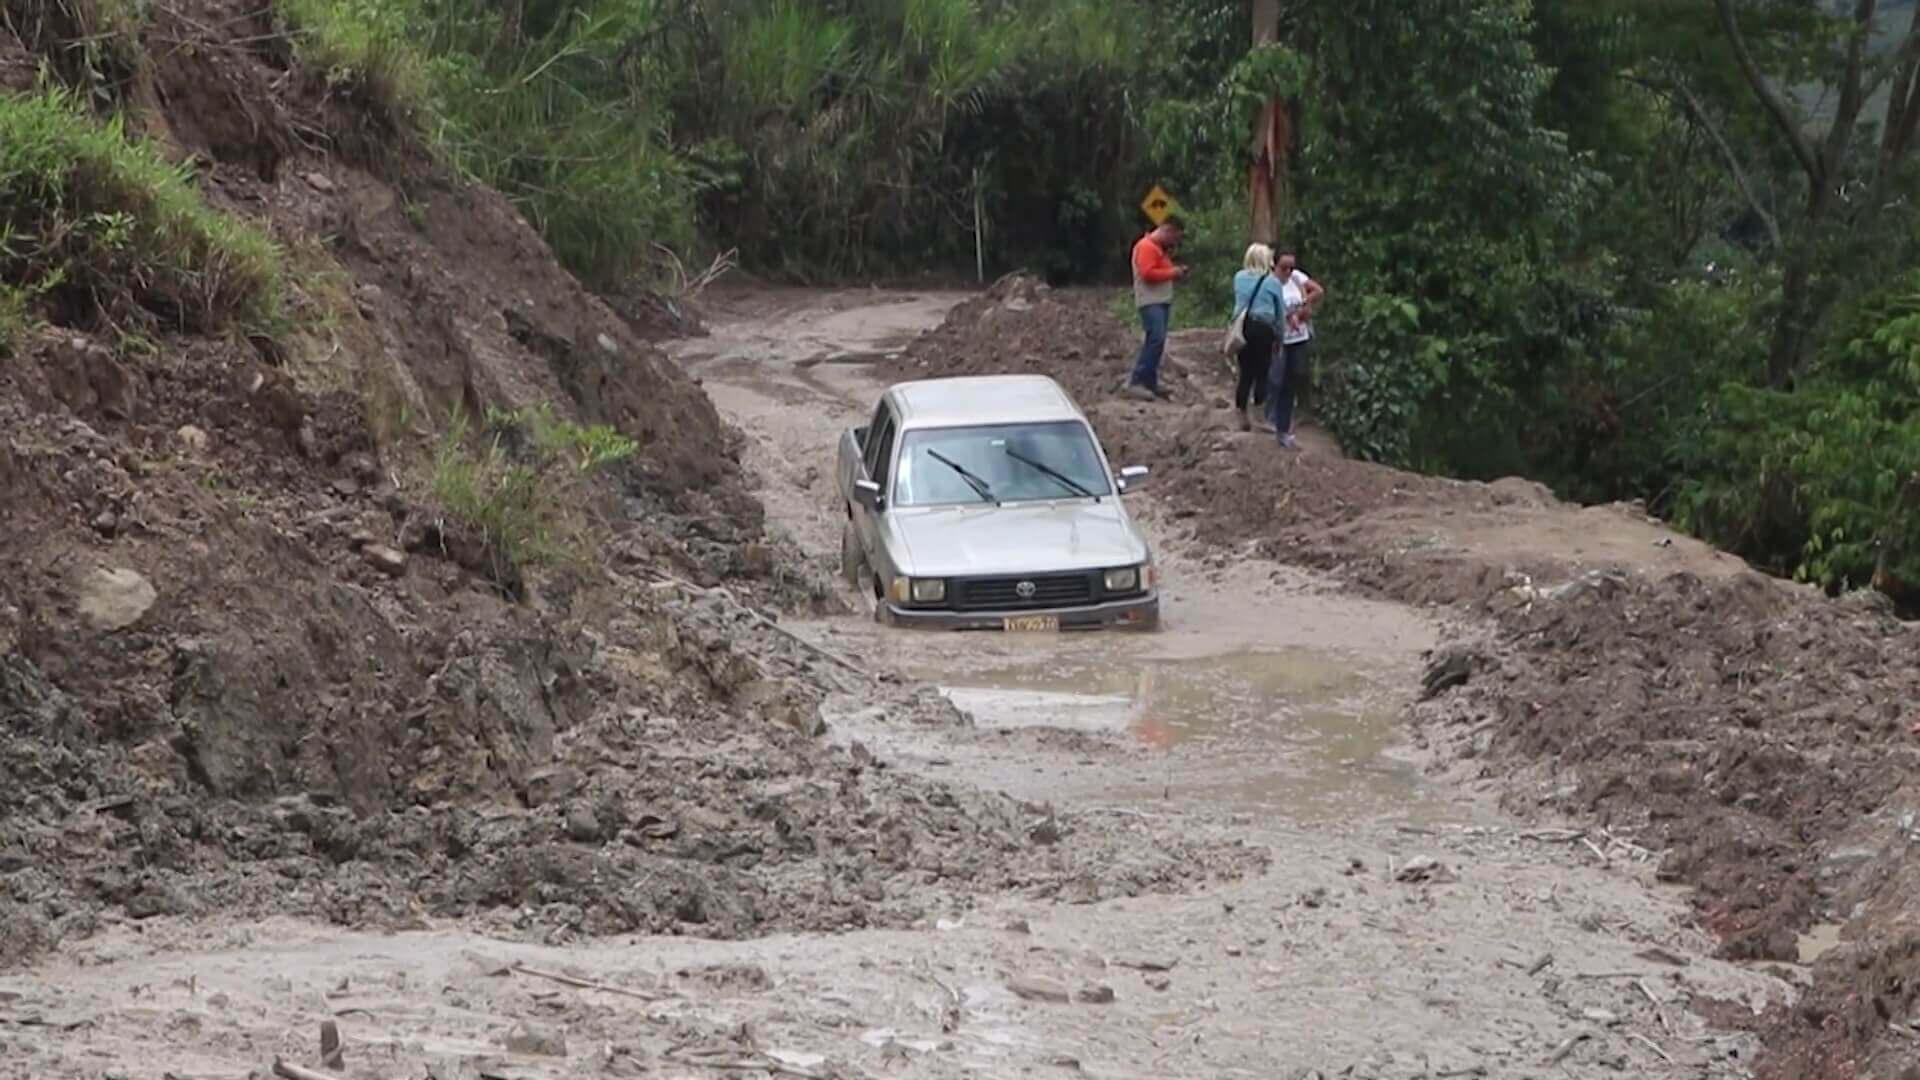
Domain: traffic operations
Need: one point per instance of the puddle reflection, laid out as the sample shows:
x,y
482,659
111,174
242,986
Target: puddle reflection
x,y
1296,732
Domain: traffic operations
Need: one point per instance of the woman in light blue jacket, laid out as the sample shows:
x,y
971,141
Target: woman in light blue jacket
x,y
1259,293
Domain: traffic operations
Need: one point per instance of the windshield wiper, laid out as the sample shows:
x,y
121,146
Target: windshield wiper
x,y
980,487
1064,480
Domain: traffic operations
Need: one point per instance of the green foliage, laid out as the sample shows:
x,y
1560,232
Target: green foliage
x,y
91,46
365,47
1825,481
851,137
514,490
1434,202
89,218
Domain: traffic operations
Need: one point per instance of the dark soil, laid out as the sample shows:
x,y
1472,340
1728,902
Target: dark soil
x,y
1759,738
249,665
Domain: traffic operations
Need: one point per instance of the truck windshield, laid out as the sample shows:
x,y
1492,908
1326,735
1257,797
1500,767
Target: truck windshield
x,y
1012,462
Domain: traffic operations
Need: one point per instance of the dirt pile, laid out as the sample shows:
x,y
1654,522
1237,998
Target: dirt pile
x,y
1759,739
250,662
1022,325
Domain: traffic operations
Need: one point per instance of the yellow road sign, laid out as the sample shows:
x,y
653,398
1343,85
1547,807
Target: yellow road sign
x,y
1159,205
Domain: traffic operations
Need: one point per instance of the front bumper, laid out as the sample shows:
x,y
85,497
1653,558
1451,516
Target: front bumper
x,y
1132,613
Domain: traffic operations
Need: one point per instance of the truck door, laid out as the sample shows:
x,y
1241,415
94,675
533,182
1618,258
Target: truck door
x,y
878,460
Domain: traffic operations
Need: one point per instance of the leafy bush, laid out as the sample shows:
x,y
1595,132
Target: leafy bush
x,y
515,490
89,217
1824,480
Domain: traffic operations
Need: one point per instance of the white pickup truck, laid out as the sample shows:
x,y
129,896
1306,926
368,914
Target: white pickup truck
x,y
986,503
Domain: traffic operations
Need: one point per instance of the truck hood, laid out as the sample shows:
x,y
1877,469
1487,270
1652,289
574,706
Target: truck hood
x,y
1024,538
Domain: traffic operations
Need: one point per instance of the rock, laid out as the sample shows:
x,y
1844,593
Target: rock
x,y
367,298
582,825
106,523
384,559
320,182
607,344
1039,988
1844,860
1095,995
1145,963
359,539
115,598
1158,982
1446,671
346,486
537,1040
192,439
362,468
1423,869
549,784
155,900
1020,926
1045,833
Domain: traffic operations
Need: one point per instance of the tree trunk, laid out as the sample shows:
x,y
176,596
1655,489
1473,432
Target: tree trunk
x,y
1791,323
1272,135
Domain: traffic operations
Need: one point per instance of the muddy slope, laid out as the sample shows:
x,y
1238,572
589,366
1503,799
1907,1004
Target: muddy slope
x,y
249,664
1759,737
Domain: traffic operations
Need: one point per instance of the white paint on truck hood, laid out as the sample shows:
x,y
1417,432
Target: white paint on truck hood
x,y
1020,538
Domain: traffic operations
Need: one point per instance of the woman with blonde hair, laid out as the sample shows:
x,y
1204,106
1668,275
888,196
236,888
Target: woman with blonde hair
x,y
1260,294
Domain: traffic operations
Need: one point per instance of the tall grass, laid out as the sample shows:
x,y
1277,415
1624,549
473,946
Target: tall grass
x,y
89,216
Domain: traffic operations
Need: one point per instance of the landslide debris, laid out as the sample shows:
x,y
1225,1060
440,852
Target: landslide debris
x,y
1757,739
252,661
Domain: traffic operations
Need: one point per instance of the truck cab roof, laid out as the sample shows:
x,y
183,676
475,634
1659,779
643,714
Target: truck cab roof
x,y
981,399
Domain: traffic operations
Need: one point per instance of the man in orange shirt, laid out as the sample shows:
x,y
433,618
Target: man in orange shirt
x,y
1154,273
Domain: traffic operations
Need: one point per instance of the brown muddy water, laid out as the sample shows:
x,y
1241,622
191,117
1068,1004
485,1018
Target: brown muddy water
x,y
1297,733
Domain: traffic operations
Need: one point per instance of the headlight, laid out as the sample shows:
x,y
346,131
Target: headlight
x,y
919,590
1124,580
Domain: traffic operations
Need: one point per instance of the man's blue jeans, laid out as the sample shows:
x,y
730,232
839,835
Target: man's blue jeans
x,y
1153,321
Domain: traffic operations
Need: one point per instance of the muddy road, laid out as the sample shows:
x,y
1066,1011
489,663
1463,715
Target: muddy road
x,y
1403,928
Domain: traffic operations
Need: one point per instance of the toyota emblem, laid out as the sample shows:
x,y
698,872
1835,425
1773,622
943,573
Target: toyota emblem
x,y
1026,589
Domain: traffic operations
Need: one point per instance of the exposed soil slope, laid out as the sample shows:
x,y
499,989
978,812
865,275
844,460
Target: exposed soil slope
x,y
249,664
1760,736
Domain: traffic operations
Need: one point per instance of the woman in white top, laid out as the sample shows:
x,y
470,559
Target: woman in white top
x,y
1301,295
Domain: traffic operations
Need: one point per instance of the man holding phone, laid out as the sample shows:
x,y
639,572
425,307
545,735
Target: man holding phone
x,y
1154,273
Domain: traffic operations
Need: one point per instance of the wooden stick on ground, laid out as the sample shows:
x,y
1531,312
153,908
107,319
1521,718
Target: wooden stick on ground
x,y
1651,1045
288,1071
582,984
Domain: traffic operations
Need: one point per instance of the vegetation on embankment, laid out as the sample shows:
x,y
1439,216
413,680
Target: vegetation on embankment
x,y
102,228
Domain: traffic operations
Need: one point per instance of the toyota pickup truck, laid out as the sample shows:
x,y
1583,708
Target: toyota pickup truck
x,y
986,503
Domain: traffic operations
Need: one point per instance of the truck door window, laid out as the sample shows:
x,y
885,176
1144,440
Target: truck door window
x,y
880,446
883,452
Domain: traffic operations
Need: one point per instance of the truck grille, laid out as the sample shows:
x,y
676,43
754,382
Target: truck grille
x,y
1005,593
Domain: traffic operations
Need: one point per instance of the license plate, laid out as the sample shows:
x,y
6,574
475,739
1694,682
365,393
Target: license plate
x,y
1042,624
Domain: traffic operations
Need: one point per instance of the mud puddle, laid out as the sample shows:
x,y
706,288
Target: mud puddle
x,y
1296,733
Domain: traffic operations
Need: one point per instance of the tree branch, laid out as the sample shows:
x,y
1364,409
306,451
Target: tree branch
x,y
1680,91
1902,111
1852,91
1776,105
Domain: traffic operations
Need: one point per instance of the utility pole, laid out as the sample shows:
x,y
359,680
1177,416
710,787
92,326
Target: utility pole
x,y
1272,136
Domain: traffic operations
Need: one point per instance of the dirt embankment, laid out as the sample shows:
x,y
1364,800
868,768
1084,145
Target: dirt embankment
x,y
250,664
1760,737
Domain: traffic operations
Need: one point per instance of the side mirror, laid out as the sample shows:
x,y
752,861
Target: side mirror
x,y
1133,476
868,493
